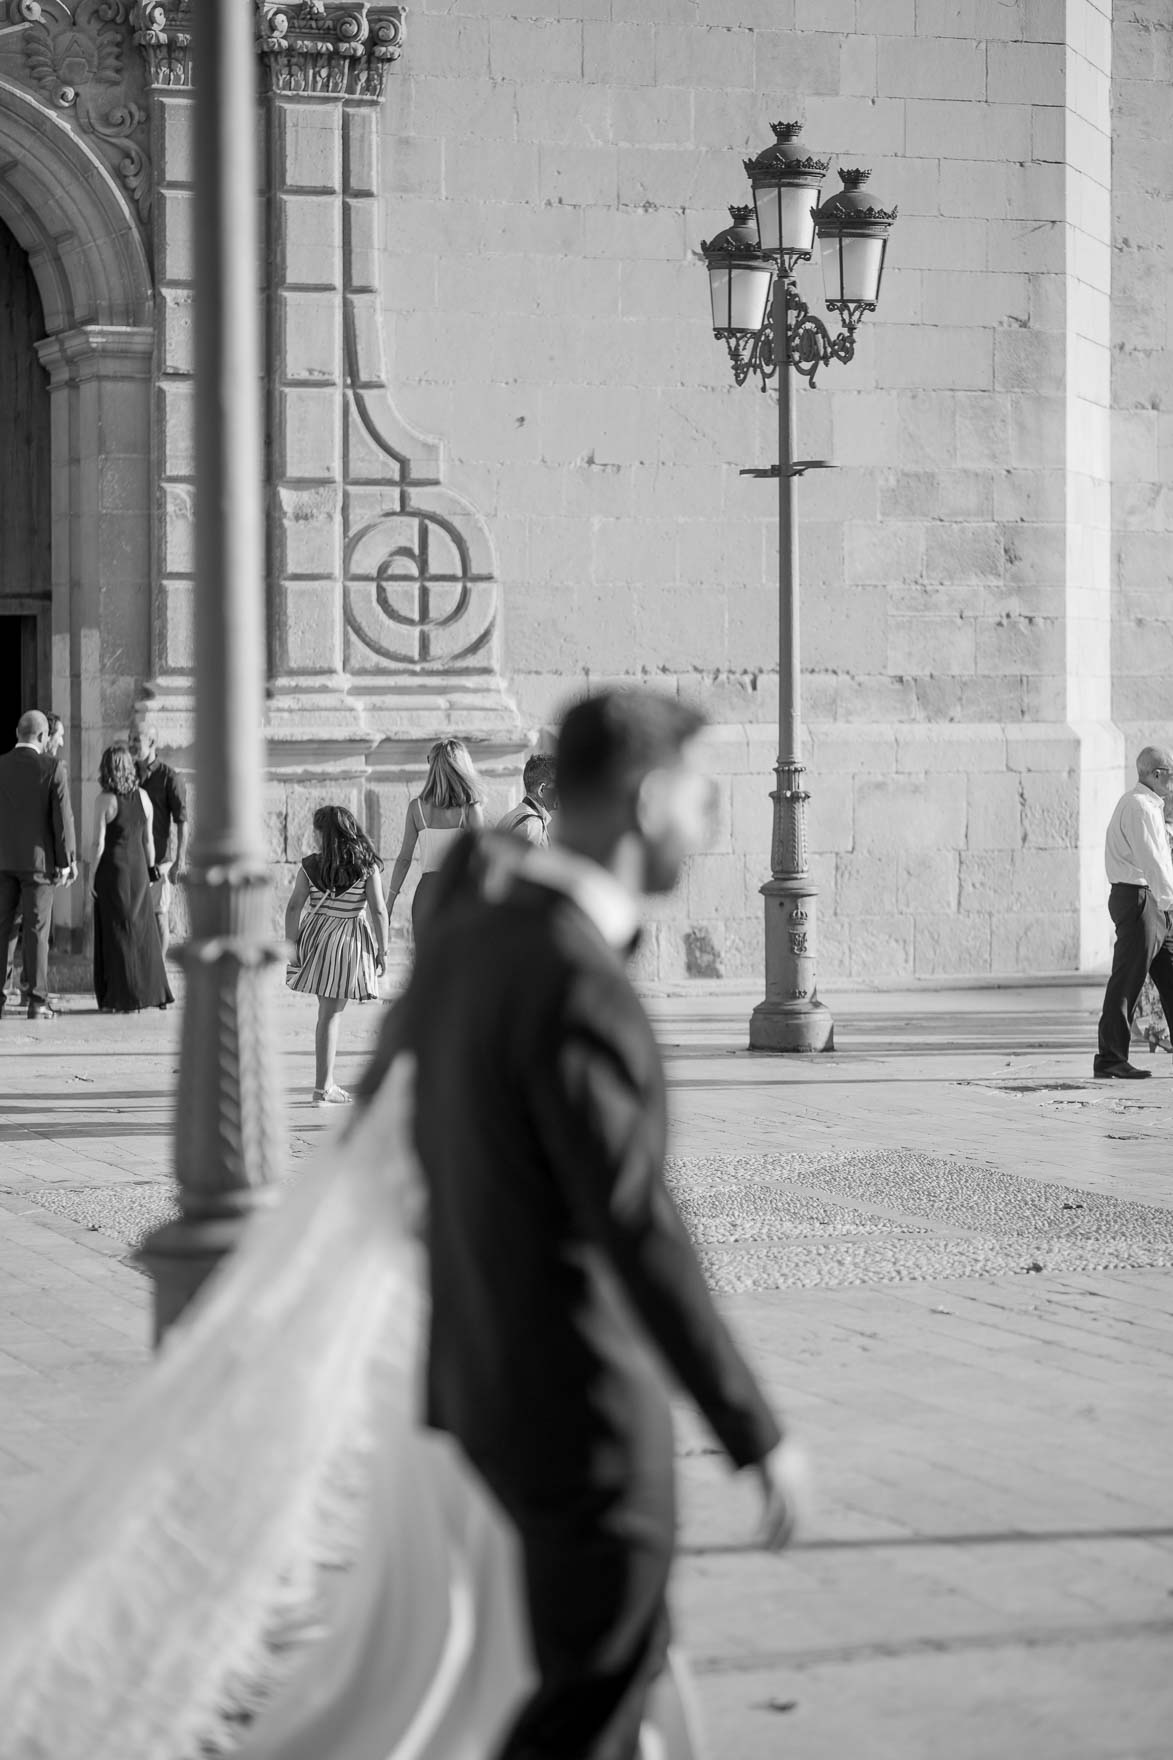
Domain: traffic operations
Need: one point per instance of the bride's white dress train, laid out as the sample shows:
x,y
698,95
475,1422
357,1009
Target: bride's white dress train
x,y
263,1554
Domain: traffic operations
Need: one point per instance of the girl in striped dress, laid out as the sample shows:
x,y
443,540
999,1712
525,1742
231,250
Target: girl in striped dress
x,y
337,917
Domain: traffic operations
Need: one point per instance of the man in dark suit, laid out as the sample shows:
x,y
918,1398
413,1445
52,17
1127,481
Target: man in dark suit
x,y
562,1276
37,851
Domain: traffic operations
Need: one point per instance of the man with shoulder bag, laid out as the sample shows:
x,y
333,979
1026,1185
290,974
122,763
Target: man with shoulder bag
x,y
530,818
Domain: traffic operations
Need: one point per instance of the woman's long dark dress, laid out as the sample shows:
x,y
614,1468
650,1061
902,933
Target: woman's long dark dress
x,y
128,959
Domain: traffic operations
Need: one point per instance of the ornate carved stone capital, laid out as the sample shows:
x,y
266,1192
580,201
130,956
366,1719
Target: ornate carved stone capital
x,y
319,48
162,30
308,48
76,59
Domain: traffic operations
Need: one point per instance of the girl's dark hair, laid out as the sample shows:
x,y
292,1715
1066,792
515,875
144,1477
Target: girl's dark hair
x,y
347,852
116,771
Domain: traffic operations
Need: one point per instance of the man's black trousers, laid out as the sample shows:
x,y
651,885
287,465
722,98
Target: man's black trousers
x,y
596,1578
1142,948
33,897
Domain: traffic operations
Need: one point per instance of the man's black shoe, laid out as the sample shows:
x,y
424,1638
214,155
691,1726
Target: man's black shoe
x,y
40,1011
1123,1072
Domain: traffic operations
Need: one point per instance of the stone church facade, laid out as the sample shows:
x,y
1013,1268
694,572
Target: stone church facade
x,y
503,448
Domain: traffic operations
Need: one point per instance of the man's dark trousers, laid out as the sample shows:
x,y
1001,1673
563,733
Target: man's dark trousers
x,y
30,895
1141,950
596,1583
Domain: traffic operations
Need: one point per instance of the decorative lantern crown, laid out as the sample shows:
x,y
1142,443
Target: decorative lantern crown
x,y
740,238
787,155
851,203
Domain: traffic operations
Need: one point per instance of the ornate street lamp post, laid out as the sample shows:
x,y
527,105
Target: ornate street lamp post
x,y
229,1132
748,263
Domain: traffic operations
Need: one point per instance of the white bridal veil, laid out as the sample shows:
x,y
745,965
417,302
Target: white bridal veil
x,y
263,1554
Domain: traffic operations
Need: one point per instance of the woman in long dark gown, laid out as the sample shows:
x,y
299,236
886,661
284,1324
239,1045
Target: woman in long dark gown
x,y
128,959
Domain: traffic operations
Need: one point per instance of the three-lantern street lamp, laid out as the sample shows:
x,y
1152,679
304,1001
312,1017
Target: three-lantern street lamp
x,y
772,334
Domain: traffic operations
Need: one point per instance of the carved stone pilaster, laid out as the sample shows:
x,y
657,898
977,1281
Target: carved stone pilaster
x,y
383,593
382,598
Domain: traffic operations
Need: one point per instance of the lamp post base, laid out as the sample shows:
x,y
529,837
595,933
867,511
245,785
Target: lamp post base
x,y
791,1018
181,1256
229,1129
794,1026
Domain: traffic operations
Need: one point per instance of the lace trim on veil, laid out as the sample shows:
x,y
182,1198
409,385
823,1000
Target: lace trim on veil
x,y
168,1583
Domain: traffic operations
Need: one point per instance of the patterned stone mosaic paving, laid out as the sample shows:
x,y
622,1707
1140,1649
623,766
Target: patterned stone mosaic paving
x,y
894,1216
124,1212
767,1222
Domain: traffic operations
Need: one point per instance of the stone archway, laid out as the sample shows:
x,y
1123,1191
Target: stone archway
x,y
89,257
70,214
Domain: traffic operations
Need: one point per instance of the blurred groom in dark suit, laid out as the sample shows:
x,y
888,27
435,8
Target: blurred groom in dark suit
x,y
563,1281
37,851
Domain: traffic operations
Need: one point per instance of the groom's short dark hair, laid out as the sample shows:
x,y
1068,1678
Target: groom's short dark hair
x,y
609,743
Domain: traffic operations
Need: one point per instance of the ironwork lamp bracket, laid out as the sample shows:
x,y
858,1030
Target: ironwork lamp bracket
x,y
809,343
797,469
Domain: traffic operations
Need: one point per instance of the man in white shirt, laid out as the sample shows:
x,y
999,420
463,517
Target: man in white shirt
x,y
1140,899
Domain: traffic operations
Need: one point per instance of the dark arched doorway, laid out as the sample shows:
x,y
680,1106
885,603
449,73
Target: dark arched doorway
x,y
25,508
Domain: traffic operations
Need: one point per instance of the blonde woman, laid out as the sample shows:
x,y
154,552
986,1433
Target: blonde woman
x,y
451,801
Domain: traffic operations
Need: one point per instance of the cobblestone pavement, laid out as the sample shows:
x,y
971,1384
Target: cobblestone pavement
x,y
947,1247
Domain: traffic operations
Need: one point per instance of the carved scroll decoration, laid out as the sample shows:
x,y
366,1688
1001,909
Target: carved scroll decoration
x,y
76,59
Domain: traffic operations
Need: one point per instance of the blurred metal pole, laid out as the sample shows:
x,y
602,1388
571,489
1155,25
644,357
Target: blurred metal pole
x,y
229,1129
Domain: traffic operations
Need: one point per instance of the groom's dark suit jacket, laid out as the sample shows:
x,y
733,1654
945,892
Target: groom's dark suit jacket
x,y
560,1266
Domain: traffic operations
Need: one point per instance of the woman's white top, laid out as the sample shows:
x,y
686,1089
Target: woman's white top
x,y
435,841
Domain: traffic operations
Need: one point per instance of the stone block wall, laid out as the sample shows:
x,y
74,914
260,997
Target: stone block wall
x,y
551,173
1142,371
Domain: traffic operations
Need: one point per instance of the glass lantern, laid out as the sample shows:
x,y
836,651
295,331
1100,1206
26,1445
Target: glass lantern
x,y
740,277
853,234
786,181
